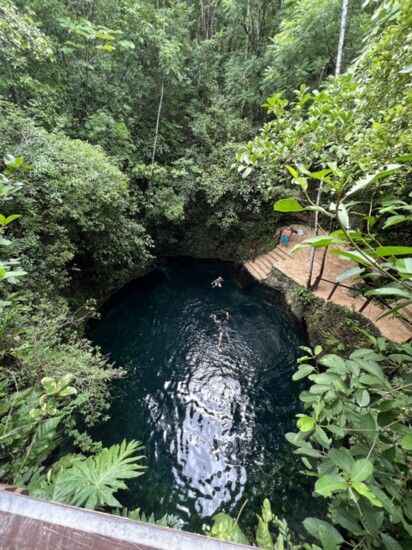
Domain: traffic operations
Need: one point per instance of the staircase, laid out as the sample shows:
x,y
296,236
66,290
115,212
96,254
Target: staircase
x,y
261,266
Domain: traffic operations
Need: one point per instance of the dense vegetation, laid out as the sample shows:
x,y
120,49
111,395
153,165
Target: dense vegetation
x,y
131,129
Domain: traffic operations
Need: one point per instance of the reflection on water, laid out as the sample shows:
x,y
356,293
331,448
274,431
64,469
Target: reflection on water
x,y
211,417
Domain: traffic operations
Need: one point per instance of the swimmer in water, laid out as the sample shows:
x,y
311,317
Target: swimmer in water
x,y
223,328
217,282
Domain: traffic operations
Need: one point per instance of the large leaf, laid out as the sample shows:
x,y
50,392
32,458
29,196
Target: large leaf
x,y
342,459
349,273
364,258
93,482
364,490
370,518
44,442
306,424
335,362
390,543
226,528
382,251
361,470
406,442
343,216
313,527
288,205
361,184
347,520
325,486
301,181
390,291
303,371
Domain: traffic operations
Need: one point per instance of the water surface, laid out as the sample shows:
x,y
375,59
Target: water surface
x,y
212,418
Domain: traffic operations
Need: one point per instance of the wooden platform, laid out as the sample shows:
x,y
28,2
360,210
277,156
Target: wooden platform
x,y
31,524
296,266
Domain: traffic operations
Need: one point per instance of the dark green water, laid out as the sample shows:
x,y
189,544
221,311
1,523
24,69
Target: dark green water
x,y
212,419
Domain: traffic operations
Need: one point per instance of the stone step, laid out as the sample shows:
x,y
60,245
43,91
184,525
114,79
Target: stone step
x,y
281,251
261,272
275,257
263,267
266,261
253,271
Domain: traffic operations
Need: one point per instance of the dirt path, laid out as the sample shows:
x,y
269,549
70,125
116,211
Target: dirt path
x,y
296,266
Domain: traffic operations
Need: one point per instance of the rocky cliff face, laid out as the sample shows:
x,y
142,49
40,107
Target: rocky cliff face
x,y
334,327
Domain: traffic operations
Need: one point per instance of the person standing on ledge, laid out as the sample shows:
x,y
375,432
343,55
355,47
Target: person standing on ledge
x,y
217,282
286,234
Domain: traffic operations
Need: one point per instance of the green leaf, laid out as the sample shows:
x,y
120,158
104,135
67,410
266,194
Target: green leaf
x,y
267,511
303,371
361,470
11,218
126,44
308,451
369,518
342,459
335,362
364,490
393,220
387,504
49,384
104,36
406,442
263,537
92,483
306,424
44,442
322,438
327,537
389,291
325,486
346,519
106,47
361,184
349,273
354,255
362,397
390,543
288,205
382,251
301,181
343,216
313,525
226,528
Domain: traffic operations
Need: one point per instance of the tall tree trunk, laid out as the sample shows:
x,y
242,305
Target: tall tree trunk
x,y
157,125
343,20
318,279
312,252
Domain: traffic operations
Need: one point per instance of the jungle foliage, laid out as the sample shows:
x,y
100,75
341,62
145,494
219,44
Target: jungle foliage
x,y
120,122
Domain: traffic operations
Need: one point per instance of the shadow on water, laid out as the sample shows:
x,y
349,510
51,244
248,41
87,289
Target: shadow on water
x,y
212,418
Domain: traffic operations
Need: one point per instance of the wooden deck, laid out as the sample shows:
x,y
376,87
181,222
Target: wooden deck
x,y
31,524
296,266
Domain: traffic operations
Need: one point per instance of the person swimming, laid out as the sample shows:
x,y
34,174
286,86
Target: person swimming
x,y
222,323
217,282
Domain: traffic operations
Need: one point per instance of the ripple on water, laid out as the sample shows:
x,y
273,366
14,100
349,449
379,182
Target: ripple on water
x,y
209,416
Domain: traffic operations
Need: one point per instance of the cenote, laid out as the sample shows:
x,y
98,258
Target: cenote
x,y
212,418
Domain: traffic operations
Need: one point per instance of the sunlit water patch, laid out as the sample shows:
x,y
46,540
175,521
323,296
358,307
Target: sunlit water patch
x,y
212,417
